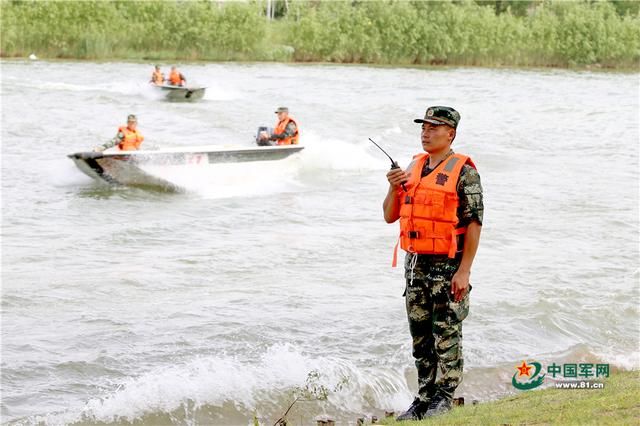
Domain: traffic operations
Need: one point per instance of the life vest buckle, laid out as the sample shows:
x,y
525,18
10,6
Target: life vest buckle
x,y
414,234
407,199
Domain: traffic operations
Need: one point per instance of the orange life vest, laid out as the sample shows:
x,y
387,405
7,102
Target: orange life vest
x,y
132,139
428,210
175,78
280,128
157,77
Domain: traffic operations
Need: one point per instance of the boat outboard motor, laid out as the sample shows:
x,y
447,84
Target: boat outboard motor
x,y
261,142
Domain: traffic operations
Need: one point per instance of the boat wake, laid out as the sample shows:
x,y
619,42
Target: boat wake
x,y
225,180
226,171
321,157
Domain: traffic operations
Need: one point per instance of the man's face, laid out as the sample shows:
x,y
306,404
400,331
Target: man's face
x,y
281,115
436,137
132,124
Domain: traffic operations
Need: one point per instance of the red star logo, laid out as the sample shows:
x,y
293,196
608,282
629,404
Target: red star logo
x,y
524,369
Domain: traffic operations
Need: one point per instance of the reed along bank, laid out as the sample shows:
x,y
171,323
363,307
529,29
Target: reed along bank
x,y
458,33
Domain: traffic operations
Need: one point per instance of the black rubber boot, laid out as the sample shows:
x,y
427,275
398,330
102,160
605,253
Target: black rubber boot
x,y
438,405
416,411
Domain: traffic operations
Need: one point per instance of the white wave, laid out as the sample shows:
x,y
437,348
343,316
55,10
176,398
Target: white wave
x,y
62,172
224,180
626,361
324,152
130,88
217,92
59,85
214,381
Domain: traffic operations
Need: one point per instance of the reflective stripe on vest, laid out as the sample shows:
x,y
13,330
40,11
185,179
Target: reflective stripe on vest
x,y
132,139
428,210
281,127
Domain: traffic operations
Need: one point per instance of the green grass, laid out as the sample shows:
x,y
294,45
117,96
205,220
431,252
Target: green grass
x,y
617,404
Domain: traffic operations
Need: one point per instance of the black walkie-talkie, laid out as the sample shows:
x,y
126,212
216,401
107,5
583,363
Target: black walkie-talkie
x,y
394,165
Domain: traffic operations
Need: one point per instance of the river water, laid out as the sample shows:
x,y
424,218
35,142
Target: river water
x,y
212,305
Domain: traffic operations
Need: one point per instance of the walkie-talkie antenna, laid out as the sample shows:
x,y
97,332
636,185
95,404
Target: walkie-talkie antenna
x,y
394,165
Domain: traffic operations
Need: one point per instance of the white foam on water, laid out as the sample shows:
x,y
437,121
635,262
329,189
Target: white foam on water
x,y
63,172
225,180
216,380
148,91
59,85
216,92
138,88
324,152
130,88
628,361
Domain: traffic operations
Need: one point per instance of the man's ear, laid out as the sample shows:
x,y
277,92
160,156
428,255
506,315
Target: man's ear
x,y
452,133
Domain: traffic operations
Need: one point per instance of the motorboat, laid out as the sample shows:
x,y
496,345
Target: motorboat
x,y
128,167
181,93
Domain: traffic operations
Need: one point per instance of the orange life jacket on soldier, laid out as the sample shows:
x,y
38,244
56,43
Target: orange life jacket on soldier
x,y
428,210
157,77
175,78
280,128
132,139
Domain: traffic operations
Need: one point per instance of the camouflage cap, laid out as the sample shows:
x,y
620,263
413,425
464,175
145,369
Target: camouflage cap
x,y
440,115
132,117
282,109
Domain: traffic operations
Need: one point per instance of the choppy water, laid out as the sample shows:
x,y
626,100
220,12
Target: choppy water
x,y
210,306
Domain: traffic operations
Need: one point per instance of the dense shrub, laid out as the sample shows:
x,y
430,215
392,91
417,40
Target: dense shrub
x,y
462,32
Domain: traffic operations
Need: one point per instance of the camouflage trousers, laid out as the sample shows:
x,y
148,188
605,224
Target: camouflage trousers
x,y
435,323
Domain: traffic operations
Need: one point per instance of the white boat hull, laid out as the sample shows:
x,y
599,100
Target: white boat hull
x,y
126,167
181,93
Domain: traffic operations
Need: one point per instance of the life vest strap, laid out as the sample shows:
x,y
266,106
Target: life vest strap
x,y
453,247
394,261
431,235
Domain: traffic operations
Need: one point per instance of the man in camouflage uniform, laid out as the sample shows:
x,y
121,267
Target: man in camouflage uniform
x,y
285,136
128,137
437,286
